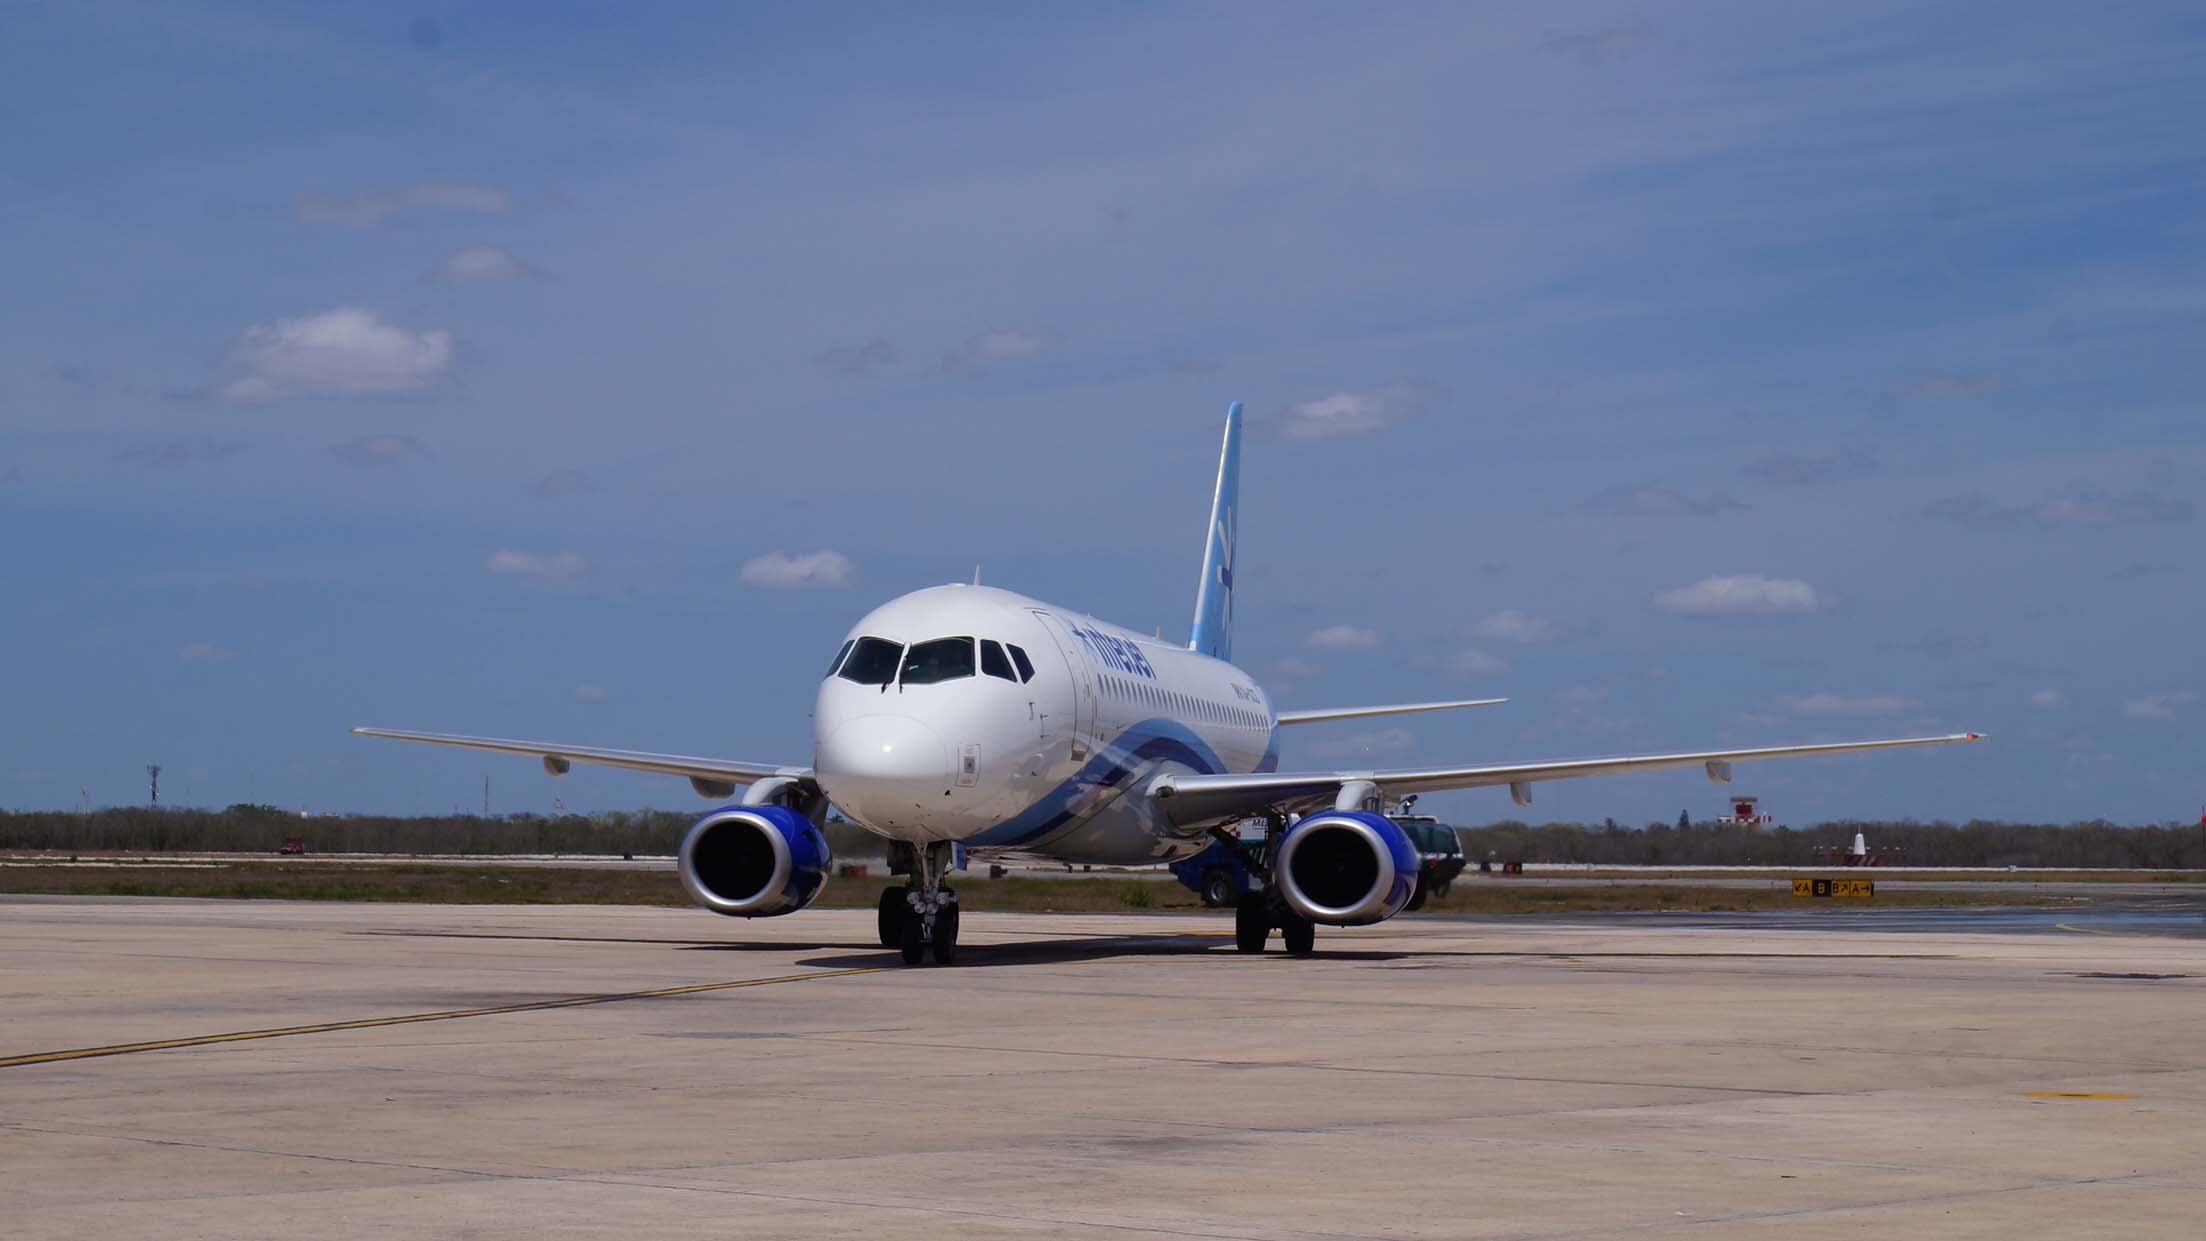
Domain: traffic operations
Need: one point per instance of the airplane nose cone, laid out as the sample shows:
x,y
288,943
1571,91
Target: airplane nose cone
x,y
882,769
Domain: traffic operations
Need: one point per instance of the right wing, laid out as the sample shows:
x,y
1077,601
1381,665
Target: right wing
x,y
1194,798
1400,708
556,757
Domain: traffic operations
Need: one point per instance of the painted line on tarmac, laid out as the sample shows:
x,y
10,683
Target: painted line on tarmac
x,y
2082,930
370,1023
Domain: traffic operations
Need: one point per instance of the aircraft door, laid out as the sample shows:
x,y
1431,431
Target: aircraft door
x,y
1082,725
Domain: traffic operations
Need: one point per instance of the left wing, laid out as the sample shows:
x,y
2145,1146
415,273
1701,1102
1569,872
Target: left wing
x,y
1196,798
556,758
1400,708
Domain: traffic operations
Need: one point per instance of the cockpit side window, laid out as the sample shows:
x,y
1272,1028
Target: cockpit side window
x,y
872,661
1026,666
837,662
994,662
944,659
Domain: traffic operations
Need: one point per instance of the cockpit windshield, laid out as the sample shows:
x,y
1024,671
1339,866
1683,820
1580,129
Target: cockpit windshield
x,y
871,661
944,659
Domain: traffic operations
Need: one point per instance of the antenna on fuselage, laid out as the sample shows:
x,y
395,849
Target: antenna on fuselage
x,y
976,575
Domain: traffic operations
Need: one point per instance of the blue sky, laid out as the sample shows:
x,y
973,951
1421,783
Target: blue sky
x,y
1737,375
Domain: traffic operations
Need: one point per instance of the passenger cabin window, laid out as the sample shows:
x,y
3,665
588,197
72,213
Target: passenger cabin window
x,y
871,661
837,662
944,659
1025,665
994,662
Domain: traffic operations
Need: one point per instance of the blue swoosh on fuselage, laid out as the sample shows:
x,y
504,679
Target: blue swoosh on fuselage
x,y
1152,740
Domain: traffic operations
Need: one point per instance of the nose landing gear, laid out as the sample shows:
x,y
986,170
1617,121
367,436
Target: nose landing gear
x,y
923,915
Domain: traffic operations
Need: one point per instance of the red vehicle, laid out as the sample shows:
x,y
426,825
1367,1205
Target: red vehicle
x,y
293,846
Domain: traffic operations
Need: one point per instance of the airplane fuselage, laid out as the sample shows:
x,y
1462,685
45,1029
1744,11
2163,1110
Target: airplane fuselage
x,y
976,715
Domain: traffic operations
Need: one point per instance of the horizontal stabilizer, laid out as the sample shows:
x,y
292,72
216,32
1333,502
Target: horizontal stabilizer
x,y
1399,708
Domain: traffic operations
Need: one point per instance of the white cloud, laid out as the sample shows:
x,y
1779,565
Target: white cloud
x,y
343,352
1743,595
1475,662
2045,698
2159,706
821,570
373,206
380,450
1351,413
533,564
1513,626
483,263
1344,638
996,346
1841,704
1384,741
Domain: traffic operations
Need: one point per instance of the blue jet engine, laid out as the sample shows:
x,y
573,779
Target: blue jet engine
x,y
755,861
1346,868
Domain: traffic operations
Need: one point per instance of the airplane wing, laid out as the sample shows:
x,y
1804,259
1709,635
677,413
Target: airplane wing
x,y
1194,798
557,757
1401,708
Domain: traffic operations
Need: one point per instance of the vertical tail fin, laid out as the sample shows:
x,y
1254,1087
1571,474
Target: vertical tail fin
x,y
1213,631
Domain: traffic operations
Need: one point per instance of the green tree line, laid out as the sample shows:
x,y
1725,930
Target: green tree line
x,y
249,828
1978,842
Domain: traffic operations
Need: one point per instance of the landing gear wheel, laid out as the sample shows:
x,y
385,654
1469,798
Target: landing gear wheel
x,y
1299,933
911,940
1417,898
945,935
1217,889
895,907
1251,923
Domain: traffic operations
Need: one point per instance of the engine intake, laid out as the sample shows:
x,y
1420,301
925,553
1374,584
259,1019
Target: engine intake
x,y
1346,868
754,861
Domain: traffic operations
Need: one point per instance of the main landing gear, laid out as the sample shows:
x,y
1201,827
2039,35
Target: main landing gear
x,y
1256,914
923,915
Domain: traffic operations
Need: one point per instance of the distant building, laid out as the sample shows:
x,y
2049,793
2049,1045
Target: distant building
x,y
1745,812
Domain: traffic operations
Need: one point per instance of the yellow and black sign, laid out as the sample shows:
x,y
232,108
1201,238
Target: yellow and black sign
x,y
1834,887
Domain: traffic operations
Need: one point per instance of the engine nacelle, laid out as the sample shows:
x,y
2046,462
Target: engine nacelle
x,y
1346,868
754,861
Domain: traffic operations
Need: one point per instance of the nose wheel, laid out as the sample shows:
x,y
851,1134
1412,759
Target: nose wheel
x,y
894,902
922,916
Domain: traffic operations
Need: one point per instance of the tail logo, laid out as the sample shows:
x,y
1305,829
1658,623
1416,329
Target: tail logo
x,y
1225,563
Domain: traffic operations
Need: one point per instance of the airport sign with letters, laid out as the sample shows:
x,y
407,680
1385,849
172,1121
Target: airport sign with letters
x,y
1834,887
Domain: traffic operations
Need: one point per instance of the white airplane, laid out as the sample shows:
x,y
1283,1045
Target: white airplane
x,y
966,718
